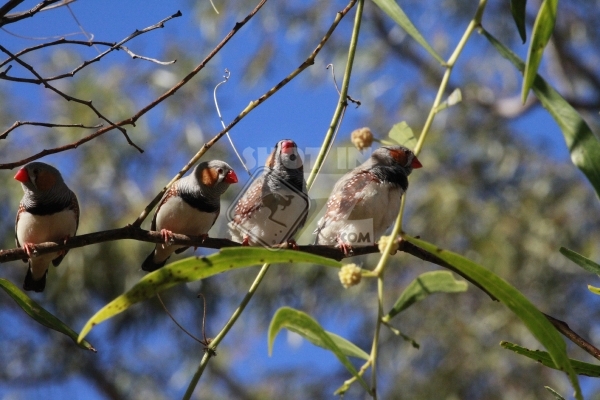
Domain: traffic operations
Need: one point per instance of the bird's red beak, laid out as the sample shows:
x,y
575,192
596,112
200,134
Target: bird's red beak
x,y
287,147
416,163
22,175
231,177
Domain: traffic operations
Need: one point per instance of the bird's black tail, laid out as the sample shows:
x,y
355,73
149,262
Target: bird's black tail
x,y
32,284
149,265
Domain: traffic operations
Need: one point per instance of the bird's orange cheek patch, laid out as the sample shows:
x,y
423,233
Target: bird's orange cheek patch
x,y
45,180
209,177
399,156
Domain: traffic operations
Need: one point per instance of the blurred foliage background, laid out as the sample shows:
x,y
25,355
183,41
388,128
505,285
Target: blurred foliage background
x,y
497,186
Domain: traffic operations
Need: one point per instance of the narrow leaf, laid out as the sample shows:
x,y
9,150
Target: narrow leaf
x,y
35,311
556,395
393,10
580,260
542,30
580,367
533,319
594,290
582,143
402,134
307,327
424,285
196,268
517,8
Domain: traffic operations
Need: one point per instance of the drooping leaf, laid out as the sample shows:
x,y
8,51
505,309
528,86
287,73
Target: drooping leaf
x,y
308,328
402,134
38,313
542,30
424,285
517,8
580,260
196,268
581,142
580,367
393,10
533,319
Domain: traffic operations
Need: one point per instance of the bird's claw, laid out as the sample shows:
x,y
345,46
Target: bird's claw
x,y
345,247
167,236
30,249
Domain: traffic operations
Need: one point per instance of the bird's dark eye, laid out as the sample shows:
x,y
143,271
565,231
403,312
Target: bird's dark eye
x,y
35,171
220,171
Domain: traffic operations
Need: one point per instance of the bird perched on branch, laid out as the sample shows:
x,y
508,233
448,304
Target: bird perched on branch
x,y
48,212
366,200
190,207
275,205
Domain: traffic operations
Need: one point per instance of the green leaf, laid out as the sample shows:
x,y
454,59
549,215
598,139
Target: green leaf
x,y
580,260
542,30
594,290
402,134
454,98
580,367
517,8
35,311
307,327
556,395
424,285
582,143
393,10
195,268
533,319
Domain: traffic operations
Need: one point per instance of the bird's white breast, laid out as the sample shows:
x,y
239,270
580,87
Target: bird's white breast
x,y
46,228
178,216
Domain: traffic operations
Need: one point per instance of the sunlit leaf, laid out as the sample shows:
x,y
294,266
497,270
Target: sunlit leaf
x,y
424,285
195,268
556,395
594,290
582,143
517,8
393,10
35,311
580,367
542,30
454,98
533,319
307,327
580,260
402,134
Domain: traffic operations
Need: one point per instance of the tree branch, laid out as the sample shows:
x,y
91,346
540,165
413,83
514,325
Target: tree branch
x,y
11,18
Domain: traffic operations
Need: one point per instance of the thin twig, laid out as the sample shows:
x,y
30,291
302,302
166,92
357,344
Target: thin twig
x,y
570,334
67,97
134,56
14,17
46,124
175,321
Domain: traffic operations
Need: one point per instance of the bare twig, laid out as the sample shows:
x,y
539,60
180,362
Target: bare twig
x,y
11,18
134,56
112,47
563,328
67,97
46,124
